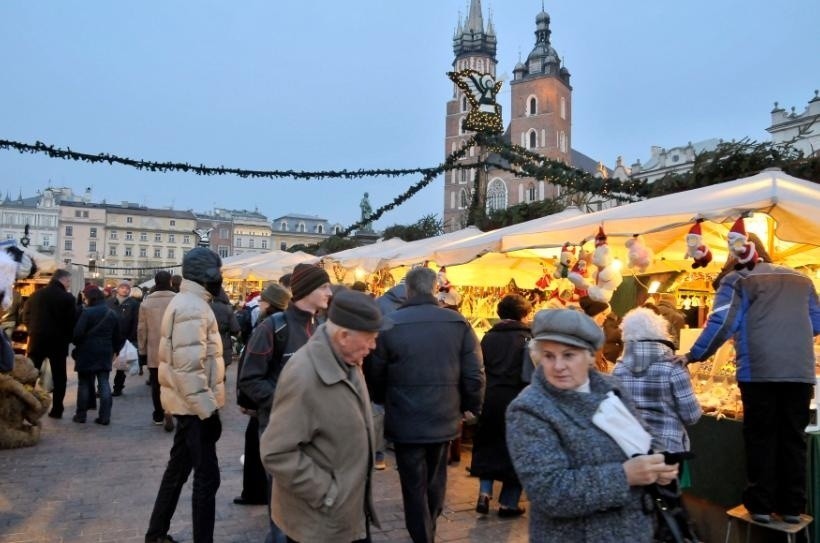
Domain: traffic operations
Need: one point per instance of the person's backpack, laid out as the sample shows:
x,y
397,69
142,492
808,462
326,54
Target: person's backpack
x,y
280,343
245,319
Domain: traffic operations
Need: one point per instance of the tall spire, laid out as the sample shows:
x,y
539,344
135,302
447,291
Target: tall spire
x,y
475,21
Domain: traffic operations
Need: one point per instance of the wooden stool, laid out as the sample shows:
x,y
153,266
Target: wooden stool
x,y
740,513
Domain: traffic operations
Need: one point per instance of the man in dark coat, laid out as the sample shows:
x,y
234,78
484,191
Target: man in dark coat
x,y
429,372
50,314
127,309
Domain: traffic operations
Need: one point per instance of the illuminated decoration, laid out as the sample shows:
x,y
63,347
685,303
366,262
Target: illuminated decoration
x,y
480,89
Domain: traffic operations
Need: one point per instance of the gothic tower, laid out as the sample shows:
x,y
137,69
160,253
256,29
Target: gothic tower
x,y
540,116
474,47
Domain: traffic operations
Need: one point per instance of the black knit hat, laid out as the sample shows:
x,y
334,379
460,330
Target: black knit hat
x,y
305,279
356,310
202,265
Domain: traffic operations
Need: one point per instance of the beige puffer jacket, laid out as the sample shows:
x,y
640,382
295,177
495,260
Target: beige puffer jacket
x,y
191,369
152,309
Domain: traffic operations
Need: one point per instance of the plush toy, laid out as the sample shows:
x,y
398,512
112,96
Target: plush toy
x,y
580,272
740,246
608,278
442,283
565,261
639,256
695,247
544,282
21,405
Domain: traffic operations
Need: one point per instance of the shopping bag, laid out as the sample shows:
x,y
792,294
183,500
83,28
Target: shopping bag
x,y
46,380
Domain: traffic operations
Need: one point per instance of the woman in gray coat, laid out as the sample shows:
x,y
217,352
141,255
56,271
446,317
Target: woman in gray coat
x,y
581,484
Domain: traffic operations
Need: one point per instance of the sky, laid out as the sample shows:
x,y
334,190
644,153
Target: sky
x,y
331,85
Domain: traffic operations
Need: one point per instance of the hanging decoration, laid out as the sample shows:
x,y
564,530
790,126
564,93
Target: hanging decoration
x,y
608,278
580,272
740,246
639,256
480,89
695,248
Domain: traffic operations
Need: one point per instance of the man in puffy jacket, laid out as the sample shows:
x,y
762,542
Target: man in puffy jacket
x,y
773,314
192,377
429,372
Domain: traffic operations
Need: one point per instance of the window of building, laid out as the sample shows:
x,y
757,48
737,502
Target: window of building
x,y
250,243
563,107
92,246
264,244
143,252
77,213
143,236
320,229
237,242
533,106
283,246
129,220
496,195
171,252
46,241
463,200
68,245
129,236
223,251
157,237
112,251
562,142
463,103
128,251
157,252
172,238
69,231
186,239
92,232
173,222
223,233
531,193
301,227
533,139
283,226
85,214
337,229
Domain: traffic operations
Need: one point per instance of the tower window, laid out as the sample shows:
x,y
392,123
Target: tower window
x,y
533,139
463,103
563,108
533,106
496,195
464,202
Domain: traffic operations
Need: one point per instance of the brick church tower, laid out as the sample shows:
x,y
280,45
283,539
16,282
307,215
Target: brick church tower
x,y
540,117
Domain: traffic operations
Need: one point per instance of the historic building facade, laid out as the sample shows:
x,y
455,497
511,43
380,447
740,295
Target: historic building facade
x,y
540,118
802,128
295,229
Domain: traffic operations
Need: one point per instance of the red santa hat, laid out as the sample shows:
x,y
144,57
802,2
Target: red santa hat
x,y
738,231
741,247
600,237
695,230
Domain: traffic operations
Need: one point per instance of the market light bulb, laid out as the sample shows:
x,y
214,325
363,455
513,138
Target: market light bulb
x,y
359,274
617,265
653,287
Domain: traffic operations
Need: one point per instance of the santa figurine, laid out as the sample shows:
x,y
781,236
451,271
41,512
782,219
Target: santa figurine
x,y
695,247
740,247
580,272
441,280
608,278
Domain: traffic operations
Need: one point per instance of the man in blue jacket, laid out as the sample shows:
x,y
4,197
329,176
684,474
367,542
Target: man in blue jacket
x,y
773,314
429,373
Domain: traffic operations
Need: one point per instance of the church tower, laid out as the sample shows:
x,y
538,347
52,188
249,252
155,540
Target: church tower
x,y
540,116
474,47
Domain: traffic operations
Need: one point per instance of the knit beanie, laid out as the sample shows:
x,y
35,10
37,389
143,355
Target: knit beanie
x,y
276,295
305,279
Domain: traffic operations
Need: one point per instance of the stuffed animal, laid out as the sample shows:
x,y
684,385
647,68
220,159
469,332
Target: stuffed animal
x,y
580,272
565,261
740,246
544,282
639,256
21,405
442,283
608,278
695,247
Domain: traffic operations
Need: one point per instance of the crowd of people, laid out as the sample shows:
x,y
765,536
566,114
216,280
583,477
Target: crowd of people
x,y
585,414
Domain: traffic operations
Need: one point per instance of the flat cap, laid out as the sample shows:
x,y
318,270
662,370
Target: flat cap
x,y
569,327
356,310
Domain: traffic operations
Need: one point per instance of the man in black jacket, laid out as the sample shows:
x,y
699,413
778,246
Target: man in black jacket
x,y
127,309
50,314
429,371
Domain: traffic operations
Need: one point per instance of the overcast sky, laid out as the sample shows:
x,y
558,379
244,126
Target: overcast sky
x,y
327,85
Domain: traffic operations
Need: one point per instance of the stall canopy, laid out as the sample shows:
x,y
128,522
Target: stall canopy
x,y
422,250
791,203
268,266
366,258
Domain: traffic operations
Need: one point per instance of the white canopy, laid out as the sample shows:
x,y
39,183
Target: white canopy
x,y
419,251
264,267
664,221
367,257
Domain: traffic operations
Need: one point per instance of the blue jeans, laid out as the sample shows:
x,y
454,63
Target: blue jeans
x,y
85,390
194,449
510,493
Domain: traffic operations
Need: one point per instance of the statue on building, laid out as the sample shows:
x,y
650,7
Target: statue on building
x,y
367,211
204,236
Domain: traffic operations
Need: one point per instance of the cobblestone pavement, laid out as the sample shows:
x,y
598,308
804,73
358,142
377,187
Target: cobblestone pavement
x,y
85,482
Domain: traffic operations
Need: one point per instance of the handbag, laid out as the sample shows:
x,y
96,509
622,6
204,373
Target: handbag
x,y
46,378
672,523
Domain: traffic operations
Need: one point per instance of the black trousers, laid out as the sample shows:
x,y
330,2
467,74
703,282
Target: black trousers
x,y
119,380
423,476
58,373
775,416
159,414
254,477
194,448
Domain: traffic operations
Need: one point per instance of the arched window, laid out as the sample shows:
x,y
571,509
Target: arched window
x,y
463,103
337,229
533,106
496,195
562,142
563,107
533,139
320,229
463,201
301,227
283,226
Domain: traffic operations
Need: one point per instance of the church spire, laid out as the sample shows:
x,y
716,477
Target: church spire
x,y
475,21
472,38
